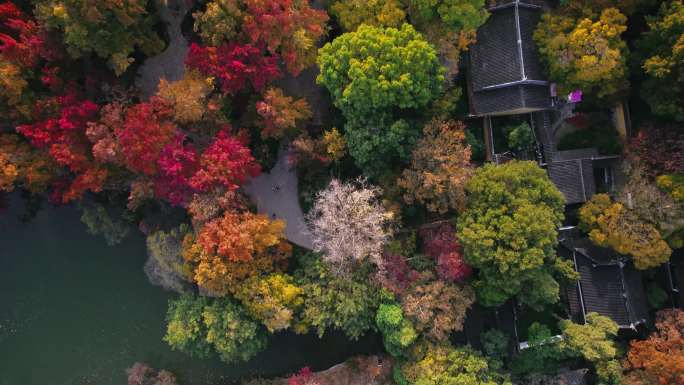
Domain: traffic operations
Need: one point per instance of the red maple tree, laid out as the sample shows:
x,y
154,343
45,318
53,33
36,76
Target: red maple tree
x,y
62,131
227,162
441,244
234,65
146,130
289,28
177,163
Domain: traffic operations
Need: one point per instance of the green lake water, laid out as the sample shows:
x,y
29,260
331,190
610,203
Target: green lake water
x,y
74,311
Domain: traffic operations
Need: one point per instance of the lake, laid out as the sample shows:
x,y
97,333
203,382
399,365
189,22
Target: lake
x,y
74,311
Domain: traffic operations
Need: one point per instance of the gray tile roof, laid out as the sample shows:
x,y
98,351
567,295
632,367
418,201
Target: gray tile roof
x,y
571,377
608,285
573,177
505,76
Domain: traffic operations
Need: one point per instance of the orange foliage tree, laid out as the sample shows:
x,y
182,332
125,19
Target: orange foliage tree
x,y
234,247
660,358
280,114
21,164
440,168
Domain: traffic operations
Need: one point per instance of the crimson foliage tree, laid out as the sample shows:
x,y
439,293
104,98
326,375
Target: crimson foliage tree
x,y
660,149
442,245
177,164
61,130
227,163
147,128
234,65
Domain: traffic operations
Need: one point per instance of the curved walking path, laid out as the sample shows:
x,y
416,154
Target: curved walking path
x,y
170,64
276,194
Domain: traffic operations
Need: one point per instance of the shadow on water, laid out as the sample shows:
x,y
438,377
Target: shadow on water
x,y
74,311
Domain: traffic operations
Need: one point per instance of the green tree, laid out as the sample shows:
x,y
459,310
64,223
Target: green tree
x,y
377,13
185,328
585,53
374,74
594,342
397,332
431,364
457,15
111,30
495,346
376,69
333,301
199,325
508,232
234,336
99,220
543,354
377,144
663,50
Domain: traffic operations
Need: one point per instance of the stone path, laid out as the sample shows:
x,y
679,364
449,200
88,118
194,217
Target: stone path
x,y
276,195
169,64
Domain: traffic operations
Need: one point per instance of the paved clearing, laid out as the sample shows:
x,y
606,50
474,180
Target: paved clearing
x,y
276,195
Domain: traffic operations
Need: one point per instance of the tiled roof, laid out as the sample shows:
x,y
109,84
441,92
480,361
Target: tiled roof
x,y
572,377
574,178
607,285
505,75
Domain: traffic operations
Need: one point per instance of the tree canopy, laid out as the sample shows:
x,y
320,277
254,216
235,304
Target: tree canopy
x,y
660,358
612,225
198,326
111,30
443,364
662,47
508,232
371,73
585,53
440,168
377,13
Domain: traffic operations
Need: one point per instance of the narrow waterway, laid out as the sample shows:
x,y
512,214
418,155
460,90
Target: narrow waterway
x,y
74,311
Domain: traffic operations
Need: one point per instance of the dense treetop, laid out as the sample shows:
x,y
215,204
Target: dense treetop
x,y
508,232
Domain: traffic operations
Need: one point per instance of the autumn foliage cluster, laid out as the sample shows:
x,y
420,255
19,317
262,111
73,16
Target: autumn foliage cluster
x,y
406,232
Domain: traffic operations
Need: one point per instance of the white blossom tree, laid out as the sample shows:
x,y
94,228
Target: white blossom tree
x,y
348,224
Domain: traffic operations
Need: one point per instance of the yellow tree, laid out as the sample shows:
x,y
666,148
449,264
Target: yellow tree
x,y
187,96
229,249
585,53
612,225
279,115
377,13
440,168
274,300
